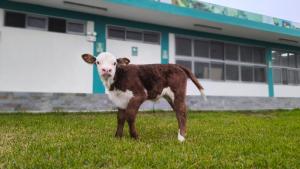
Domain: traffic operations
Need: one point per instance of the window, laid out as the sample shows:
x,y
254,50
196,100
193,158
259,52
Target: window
x,y
284,75
231,52
292,60
15,19
186,64
247,73
36,22
232,72
57,25
284,60
298,77
217,60
201,70
32,21
259,74
285,67
259,55
134,35
298,60
292,77
276,58
246,53
151,37
75,27
201,48
183,46
116,32
277,75
217,71
217,50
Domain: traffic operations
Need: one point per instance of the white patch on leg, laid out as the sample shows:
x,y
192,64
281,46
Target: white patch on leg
x,y
120,98
180,137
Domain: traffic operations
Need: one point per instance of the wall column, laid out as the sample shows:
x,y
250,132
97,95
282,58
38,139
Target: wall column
x,y
99,46
270,72
164,47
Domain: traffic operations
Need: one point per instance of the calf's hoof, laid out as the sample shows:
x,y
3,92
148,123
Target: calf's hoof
x,y
134,136
180,137
118,135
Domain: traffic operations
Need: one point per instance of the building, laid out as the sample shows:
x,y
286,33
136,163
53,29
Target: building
x,y
244,60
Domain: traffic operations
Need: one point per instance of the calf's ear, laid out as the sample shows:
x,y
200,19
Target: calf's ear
x,y
123,61
88,58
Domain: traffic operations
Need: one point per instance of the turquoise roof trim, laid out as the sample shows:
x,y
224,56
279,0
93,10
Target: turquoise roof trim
x,y
222,10
204,15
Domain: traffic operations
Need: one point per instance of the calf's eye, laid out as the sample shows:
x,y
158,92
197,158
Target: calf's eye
x,y
97,62
115,63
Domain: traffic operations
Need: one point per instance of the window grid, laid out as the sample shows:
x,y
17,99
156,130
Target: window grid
x,y
210,60
46,17
285,69
133,29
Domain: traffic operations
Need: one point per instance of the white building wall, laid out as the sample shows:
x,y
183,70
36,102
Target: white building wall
x,y
41,61
214,88
147,53
286,91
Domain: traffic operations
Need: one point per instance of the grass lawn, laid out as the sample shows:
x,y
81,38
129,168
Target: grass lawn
x,y
214,140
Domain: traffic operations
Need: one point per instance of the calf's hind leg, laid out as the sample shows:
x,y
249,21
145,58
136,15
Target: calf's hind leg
x,y
179,107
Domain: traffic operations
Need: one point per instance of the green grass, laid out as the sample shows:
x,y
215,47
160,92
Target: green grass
x,y
214,140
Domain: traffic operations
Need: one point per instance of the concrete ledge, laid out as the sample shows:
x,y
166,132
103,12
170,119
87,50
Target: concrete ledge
x,y
66,102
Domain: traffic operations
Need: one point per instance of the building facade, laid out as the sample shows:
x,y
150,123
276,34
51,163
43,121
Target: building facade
x,y
235,54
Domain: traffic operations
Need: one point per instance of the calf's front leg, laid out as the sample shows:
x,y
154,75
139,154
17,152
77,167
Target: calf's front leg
x,y
121,121
131,112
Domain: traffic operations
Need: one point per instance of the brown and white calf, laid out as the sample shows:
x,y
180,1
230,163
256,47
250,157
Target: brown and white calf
x,y
129,85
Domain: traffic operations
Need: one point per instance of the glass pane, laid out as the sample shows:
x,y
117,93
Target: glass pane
x,y
15,19
231,52
217,50
57,25
76,27
36,22
298,60
201,48
292,75
246,53
298,77
292,60
183,46
187,64
259,55
151,37
232,72
116,32
202,70
217,71
247,73
284,59
284,76
276,58
277,75
259,74
134,35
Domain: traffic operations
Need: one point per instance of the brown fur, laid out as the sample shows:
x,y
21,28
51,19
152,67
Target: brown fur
x,y
153,78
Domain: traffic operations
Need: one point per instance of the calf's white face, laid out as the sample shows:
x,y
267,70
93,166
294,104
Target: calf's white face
x,y
106,64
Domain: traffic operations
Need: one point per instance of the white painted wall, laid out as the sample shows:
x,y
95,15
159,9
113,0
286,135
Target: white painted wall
x,y
147,53
286,91
41,61
221,88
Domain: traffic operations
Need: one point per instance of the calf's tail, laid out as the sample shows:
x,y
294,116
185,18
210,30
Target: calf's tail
x,y
195,81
